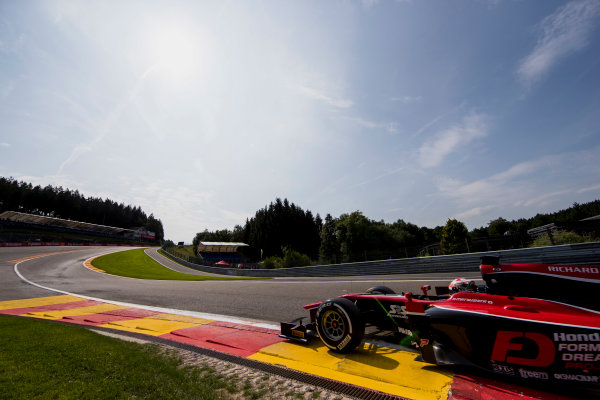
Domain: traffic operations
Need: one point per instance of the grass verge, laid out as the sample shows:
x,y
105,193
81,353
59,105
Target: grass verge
x,y
137,264
186,251
47,360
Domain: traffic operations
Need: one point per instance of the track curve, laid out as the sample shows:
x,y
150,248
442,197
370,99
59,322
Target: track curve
x,y
270,300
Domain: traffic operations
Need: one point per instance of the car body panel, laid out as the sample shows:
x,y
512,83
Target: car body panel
x,y
533,322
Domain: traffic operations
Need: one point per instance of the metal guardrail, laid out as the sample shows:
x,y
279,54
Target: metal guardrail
x,y
582,253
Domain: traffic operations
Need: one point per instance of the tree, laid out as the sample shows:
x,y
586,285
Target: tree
x,y
454,237
498,227
329,250
238,234
354,237
155,225
283,225
70,204
292,258
352,234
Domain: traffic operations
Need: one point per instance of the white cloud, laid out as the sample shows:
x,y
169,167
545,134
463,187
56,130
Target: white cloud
x,y
524,188
408,99
13,45
544,198
381,176
433,152
474,212
561,34
592,188
369,3
429,124
509,186
391,127
322,95
76,152
64,181
104,127
184,211
3,144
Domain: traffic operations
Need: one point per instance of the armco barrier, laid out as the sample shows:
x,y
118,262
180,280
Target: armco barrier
x,y
582,253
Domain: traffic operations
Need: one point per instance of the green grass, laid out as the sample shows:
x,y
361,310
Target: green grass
x,y
136,264
46,360
187,251
561,238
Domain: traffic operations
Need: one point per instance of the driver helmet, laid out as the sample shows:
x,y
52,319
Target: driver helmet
x,y
462,285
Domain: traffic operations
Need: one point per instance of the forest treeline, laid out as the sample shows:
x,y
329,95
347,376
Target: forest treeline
x,y
283,227
278,226
284,230
62,203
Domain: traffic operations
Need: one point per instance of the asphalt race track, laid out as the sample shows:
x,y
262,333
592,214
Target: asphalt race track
x,y
53,283
269,300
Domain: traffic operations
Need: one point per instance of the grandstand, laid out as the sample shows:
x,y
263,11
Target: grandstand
x,y
221,251
585,227
16,226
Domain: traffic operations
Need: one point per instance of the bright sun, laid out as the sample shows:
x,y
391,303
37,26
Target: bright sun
x,y
176,52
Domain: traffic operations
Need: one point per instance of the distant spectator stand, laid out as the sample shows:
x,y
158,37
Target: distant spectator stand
x,y
40,224
223,254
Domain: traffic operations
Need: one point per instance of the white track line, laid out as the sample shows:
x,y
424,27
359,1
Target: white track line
x,y
196,314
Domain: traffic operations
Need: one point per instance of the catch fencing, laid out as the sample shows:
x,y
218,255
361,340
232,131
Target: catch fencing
x,y
582,253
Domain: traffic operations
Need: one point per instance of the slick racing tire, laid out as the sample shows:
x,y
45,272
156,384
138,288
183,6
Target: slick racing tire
x,y
380,290
339,325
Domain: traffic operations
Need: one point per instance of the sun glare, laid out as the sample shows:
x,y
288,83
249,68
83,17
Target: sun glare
x,y
176,53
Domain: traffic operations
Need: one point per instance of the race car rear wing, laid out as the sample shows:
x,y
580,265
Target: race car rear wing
x,y
571,284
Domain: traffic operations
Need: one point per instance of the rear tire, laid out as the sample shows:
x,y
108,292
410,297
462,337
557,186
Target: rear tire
x,y
339,325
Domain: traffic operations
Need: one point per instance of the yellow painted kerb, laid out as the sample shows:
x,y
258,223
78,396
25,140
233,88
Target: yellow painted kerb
x,y
378,368
88,264
150,325
39,301
59,314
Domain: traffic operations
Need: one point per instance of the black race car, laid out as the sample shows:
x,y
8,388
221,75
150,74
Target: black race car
x,y
531,321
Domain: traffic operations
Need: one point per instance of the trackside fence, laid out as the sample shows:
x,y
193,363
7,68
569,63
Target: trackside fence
x,y
582,253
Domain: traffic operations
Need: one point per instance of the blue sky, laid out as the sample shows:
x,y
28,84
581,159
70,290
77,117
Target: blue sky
x,y
203,112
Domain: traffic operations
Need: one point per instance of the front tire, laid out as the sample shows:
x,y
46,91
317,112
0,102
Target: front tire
x,y
339,325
